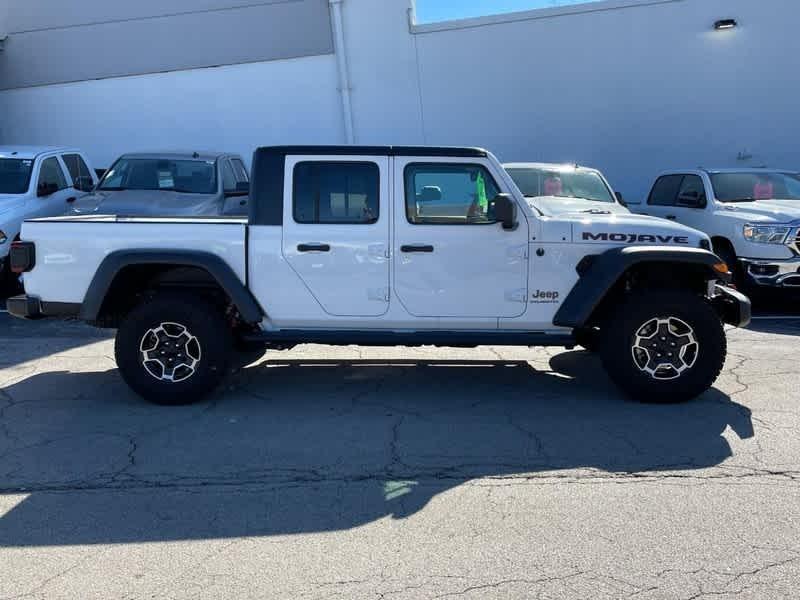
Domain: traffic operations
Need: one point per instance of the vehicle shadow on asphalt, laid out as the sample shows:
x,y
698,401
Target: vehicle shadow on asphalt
x,y
301,446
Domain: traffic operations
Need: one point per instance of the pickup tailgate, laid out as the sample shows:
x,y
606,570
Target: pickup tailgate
x,y
69,250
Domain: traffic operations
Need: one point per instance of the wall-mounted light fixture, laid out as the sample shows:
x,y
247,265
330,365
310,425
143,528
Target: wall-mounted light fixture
x,y
723,24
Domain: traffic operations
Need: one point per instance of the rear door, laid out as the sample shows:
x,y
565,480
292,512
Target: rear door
x,y
336,231
451,258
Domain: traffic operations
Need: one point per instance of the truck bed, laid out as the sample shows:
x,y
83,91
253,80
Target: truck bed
x,y
69,250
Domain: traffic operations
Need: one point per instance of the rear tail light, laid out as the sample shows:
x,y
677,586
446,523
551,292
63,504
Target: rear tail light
x,y
22,257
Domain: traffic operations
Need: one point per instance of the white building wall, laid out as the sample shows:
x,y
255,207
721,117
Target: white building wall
x,y
235,109
630,89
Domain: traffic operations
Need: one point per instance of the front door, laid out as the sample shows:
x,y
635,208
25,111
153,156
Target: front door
x,y
58,191
451,258
336,231
679,198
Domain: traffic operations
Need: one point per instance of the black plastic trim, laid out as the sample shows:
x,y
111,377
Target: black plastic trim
x,y
412,338
733,307
266,187
248,307
344,150
606,269
24,307
21,257
30,307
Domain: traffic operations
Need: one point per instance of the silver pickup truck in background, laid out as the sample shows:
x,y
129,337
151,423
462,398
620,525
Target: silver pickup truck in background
x,y
170,184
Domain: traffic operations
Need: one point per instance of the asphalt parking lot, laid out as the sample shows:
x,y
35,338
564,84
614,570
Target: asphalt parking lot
x,y
397,473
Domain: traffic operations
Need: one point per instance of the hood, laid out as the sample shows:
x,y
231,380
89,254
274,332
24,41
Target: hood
x,y
627,229
11,202
764,211
142,203
552,206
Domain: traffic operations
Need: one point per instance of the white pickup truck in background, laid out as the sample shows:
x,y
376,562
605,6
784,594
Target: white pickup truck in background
x,y
751,215
557,189
385,246
38,182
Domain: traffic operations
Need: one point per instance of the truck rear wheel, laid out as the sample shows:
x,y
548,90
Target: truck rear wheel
x,y
173,349
664,346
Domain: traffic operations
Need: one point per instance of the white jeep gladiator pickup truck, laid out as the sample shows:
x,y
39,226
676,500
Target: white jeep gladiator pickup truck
x,y
385,246
751,215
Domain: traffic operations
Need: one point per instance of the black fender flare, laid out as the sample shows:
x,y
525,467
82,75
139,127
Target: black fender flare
x,y
602,271
216,267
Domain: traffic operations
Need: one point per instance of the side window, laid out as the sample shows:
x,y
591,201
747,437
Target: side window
x,y
76,166
50,175
336,192
448,194
665,190
692,192
239,170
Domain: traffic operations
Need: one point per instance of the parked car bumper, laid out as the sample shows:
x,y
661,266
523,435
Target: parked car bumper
x,y
772,273
30,307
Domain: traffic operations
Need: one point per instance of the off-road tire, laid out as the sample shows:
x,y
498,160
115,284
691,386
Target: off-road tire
x,y
619,350
210,356
9,281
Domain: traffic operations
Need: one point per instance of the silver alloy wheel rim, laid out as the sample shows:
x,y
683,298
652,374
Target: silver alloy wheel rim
x,y
665,348
170,352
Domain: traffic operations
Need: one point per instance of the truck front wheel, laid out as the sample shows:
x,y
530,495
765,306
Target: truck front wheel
x,y
173,349
664,346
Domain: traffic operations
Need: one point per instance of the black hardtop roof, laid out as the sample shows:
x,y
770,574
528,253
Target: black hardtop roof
x,y
458,152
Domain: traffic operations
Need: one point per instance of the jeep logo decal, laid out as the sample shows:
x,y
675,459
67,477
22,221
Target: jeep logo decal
x,y
634,238
545,297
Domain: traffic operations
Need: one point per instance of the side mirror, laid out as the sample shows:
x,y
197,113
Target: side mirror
x,y
691,200
620,199
84,183
46,189
242,189
505,211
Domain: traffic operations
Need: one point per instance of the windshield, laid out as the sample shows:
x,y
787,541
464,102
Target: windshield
x,y
15,175
187,176
750,187
563,183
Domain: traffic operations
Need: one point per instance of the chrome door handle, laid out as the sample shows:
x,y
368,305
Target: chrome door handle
x,y
313,248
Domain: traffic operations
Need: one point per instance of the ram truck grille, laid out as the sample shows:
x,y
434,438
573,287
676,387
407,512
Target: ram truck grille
x,y
796,242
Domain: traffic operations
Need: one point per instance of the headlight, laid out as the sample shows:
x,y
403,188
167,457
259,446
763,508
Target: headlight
x,y
3,238
766,234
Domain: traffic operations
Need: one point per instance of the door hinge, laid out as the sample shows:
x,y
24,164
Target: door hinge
x,y
520,295
379,294
378,251
518,252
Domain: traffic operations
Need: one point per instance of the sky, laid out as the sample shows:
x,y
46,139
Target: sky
x,y
429,11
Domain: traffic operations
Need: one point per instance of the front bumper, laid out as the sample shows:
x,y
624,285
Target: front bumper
x,y
31,307
733,307
772,273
